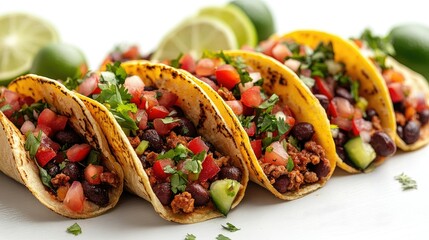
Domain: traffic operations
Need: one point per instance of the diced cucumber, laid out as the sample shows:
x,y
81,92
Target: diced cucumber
x,y
360,152
223,193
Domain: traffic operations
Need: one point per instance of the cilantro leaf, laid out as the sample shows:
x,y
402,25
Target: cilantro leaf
x,y
176,62
270,102
5,107
282,126
407,182
290,164
72,83
190,237
74,229
195,164
354,89
245,120
178,153
222,237
118,71
32,143
168,120
230,227
45,177
178,181
93,158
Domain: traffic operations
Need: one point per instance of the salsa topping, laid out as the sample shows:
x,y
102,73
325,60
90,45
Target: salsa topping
x,y
348,112
284,148
70,169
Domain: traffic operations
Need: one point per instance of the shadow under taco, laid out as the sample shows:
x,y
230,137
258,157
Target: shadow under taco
x,y
53,146
350,89
175,147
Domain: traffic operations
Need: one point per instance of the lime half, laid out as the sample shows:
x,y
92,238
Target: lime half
x,y
237,20
195,35
21,36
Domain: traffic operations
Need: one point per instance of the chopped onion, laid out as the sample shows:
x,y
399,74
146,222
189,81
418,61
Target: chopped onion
x,y
293,64
28,126
333,67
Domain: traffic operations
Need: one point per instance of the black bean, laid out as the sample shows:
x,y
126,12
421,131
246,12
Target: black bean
x,y
382,144
303,131
67,137
322,169
341,139
155,141
230,172
144,161
199,194
150,88
341,152
399,107
96,194
176,111
163,192
72,170
52,168
411,132
344,93
281,183
323,100
370,112
185,128
424,116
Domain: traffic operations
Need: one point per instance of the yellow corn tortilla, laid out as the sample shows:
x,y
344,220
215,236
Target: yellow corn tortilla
x,y
292,92
16,162
358,67
197,107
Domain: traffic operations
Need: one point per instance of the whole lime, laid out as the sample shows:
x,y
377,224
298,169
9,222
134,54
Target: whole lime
x,y
411,44
260,15
59,61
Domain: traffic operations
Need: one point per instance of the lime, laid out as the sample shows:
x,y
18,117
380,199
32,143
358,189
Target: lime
x,y
195,35
260,15
59,61
21,36
237,20
411,44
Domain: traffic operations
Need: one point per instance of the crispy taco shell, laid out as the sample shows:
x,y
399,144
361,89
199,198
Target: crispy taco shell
x,y
16,162
292,92
372,86
198,107
417,84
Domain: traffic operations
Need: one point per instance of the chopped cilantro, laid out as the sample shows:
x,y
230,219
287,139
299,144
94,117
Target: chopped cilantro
x,y
5,107
269,102
178,153
168,120
32,143
118,71
290,165
230,227
245,120
93,158
72,83
354,89
176,62
407,182
190,237
178,179
222,237
195,164
62,165
292,140
381,46
268,140
74,229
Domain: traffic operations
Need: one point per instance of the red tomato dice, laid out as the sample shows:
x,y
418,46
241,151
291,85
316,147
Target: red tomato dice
x,y
236,106
59,123
162,128
257,147
280,52
323,88
395,91
92,174
252,97
46,117
197,145
251,130
187,63
157,112
78,152
141,117
209,169
89,86
227,76
132,53
205,67
158,168
44,154
75,198
167,98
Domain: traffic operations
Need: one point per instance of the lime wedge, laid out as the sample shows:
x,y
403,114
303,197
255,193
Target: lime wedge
x,y
21,36
195,35
237,20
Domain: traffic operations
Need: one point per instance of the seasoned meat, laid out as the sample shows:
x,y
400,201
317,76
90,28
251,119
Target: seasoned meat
x,y
109,178
173,139
60,180
182,202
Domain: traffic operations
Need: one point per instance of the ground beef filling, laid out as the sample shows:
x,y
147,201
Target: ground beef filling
x,y
311,165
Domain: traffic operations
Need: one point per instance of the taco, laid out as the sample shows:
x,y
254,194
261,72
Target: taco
x,y
176,149
349,88
284,131
409,92
53,146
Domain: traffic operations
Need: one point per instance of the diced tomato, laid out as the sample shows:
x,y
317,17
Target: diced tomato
x,y
276,154
26,100
59,123
343,107
267,46
11,97
236,106
75,198
420,102
45,129
167,98
197,145
205,67
89,85
390,75
141,118
157,112
209,169
44,154
92,174
132,53
210,83
158,168
252,97
78,152
227,76
251,130
323,87
46,117
257,147
162,128
135,87
46,141
187,63
395,91
359,125
149,100
332,110
280,52
343,123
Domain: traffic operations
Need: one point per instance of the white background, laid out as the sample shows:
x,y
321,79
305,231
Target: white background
x,y
361,206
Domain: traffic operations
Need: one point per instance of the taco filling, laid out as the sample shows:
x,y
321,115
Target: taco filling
x,y
184,170
357,132
288,156
410,105
70,169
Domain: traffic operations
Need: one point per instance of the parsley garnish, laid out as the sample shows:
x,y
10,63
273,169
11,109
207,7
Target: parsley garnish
x,y
230,227
190,237
222,237
407,182
178,179
74,229
178,153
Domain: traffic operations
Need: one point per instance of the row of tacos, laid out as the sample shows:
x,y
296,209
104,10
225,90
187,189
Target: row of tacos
x,y
189,136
